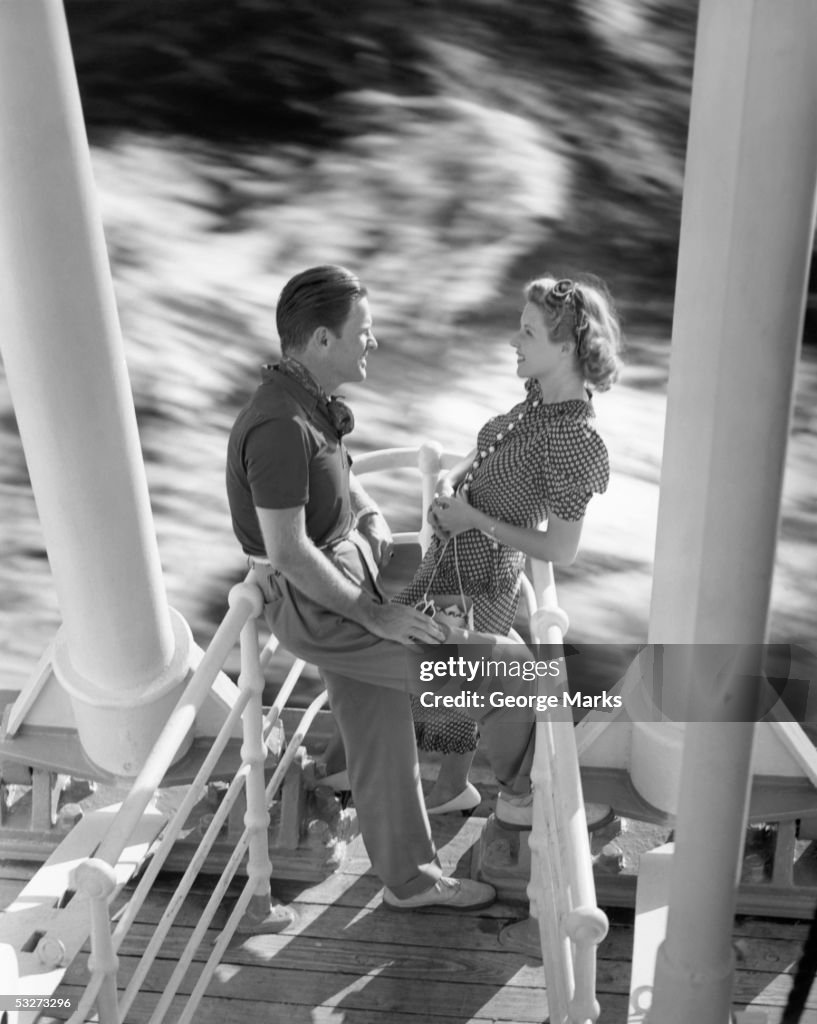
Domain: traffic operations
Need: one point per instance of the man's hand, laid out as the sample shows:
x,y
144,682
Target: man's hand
x,y
405,625
376,531
289,548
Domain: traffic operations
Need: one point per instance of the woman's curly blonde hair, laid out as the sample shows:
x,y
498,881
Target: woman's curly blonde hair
x,y
582,314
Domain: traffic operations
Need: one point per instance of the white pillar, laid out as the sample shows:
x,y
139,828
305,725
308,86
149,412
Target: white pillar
x,y
121,652
695,964
746,232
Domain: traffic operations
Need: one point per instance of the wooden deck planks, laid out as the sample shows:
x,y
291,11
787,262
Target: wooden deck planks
x,y
225,1011
348,960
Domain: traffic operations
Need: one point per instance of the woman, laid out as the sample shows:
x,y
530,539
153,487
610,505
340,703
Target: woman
x,y
542,460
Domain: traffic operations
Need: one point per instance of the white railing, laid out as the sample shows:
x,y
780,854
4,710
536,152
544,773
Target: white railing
x,y
94,877
561,887
429,460
562,891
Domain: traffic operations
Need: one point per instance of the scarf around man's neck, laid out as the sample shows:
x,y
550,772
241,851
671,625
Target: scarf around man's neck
x,y
339,413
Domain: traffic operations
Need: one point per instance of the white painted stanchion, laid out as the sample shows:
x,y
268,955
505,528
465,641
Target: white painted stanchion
x,y
746,233
98,880
121,655
261,915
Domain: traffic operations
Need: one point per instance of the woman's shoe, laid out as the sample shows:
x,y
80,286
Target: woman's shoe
x,y
598,816
464,802
339,781
514,811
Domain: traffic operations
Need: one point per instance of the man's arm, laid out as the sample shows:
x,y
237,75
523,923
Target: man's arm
x,y
291,551
361,502
371,522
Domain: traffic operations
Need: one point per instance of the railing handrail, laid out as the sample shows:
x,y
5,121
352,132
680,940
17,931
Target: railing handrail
x,y
428,459
403,458
181,721
570,963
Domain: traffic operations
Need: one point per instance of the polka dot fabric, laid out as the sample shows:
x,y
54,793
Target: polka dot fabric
x,y
548,460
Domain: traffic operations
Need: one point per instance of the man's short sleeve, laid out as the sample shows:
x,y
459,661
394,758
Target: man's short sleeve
x,y
277,454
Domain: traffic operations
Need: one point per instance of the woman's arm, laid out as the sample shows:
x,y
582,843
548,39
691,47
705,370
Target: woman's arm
x,y
558,544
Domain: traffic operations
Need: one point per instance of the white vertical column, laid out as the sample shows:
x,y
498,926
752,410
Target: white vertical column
x,y
746,232
695,964
120,646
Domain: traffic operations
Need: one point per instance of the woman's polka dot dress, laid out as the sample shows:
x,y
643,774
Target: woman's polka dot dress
x,y
537,459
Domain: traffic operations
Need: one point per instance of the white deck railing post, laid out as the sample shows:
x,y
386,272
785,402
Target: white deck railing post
x,y
97,879
253,753
586,927
261,914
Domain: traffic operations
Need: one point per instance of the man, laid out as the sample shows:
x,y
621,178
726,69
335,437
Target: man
x,y
316,542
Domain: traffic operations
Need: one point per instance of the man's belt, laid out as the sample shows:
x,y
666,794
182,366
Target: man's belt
x,y
353,537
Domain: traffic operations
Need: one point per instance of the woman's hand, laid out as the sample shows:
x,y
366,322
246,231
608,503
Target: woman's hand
x,y
451,515
445,487
432,519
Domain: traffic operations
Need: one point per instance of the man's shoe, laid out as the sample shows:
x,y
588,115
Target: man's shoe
x,y
452,893
514,812
315,775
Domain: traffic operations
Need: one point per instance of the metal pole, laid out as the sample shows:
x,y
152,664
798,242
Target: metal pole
x,y
121,653
746,234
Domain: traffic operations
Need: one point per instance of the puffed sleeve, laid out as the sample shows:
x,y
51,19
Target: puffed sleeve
x,y
577,468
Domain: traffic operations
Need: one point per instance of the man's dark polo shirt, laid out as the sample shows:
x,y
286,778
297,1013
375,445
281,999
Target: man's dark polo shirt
x,y
284,452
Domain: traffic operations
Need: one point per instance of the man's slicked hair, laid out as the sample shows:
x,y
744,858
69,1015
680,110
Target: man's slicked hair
x,y
317,297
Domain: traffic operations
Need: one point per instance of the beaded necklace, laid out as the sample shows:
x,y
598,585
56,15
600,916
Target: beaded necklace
x,y
483,453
